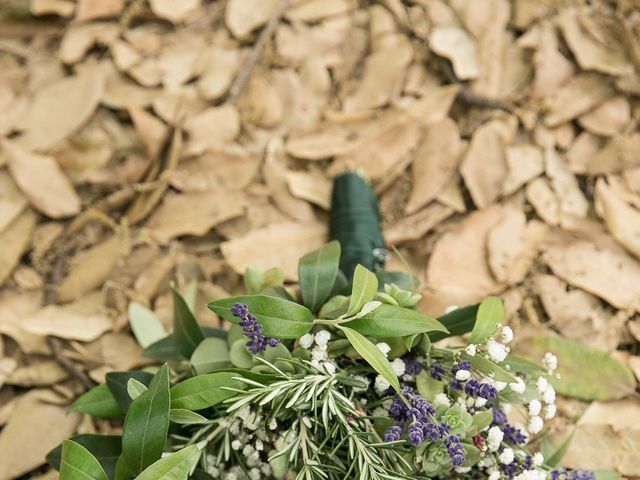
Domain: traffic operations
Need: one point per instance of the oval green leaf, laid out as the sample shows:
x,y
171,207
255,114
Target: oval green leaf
x,y
182,416
585,373
212,354
105,448
392,321
486,366
279,318
317,272
79,464
98,402
135,388
490,315
147,424
204,391
372,355
145,325
173,467
365,287
187,334
118,384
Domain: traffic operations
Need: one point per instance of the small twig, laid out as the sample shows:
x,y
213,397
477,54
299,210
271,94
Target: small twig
x,y
247,67
55,343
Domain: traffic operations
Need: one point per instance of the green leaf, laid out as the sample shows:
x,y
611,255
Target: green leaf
x,y
211,355
317,272
135,388
554,455
279,318
123,471
187,334
585,373
79,464
173,467
163,350
372,355
480,421
147,424
98,402
458,322
118,383
472,455
428,386
182,416
365,287
204,391
486,366
240,355
253,279
392,321
105,448
145,325
490,315
607,475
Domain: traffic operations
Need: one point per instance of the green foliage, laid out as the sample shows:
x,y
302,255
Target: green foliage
x,y
145,325
147,424
364,289
187,334
99,402
279,318
212,354
317,272
105,448
79,464
490,315
118,383
204,391
173,467
392,321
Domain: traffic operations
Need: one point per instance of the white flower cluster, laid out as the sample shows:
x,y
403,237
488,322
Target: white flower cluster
x,y
319,356
397,364
498,350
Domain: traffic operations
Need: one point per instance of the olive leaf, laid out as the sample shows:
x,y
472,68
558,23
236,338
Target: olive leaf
x,y
183,416
173,467
392,321
490,315
105,448
365,287
79,464
317,272
204,391
187,334
145,325
212,354
98,402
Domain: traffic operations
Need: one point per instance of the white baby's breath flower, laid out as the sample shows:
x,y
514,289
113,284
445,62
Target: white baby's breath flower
x,y
494,475
550,361
506,335
442,399
535,424
500,385
518,386
534,408
462,404
494,438
463,375
236,445
538,459
480,402
329,367
549,411
507,456
399,367
381,384
384,348
471,350
255,474
549,395
306,341
542,384
322,337
497,352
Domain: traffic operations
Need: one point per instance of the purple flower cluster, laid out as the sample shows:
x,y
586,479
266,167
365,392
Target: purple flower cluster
x,y
464,365
512,434
252,329
437,371
519,465
455,449
566,474
412,367
474,388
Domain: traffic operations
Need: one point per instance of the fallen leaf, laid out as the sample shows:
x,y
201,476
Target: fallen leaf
x,y
310,186
14,308
578,315
583,148
219,69
38,374
456,44
484,166
194,213
202,137
416,226
70,101
215,170
619,153
506,242
524,163
154,275
434,164
541,196
152,131
12,202
24,442
62,8
92,9
174,10
571,200
262,248
577,96
90,268
14,240
121,352
609,118
316,10
82,320
81,37
590,53
244,16
42,181
261,103
383,73
552,68
603,271
7,367
623,221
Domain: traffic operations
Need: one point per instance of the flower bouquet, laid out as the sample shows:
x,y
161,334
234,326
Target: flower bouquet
x,y
337,378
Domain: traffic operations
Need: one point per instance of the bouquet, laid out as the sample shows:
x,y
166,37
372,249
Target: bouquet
x,y
337,378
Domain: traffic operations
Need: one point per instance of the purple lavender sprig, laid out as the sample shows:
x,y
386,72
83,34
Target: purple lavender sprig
x,y
252,329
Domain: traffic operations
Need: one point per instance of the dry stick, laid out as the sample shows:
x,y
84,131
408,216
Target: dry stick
x,y
247,67
55,343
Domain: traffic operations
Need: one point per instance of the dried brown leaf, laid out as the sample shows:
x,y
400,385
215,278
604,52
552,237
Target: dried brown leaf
x,y
92,9
62,8
310,186
565,185
414,227
219,70
316,10
524,163
38,374
12,202
80,38
14,240
623,221
620,153
456,44
14,307
435,163
552,68
215,170
203,137
244,16
609,118
174,10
